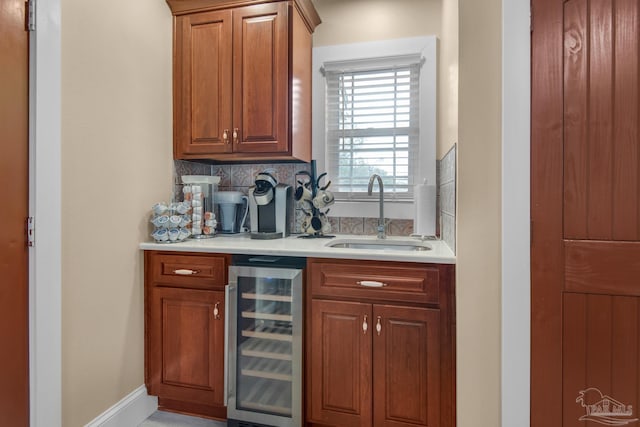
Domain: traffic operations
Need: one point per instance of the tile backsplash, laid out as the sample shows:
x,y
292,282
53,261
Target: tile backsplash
x,y
239,177
447,198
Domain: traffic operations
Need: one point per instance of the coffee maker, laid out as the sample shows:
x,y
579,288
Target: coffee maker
x,y
269,209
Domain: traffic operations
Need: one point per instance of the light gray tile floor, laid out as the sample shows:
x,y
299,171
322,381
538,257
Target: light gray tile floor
x,y
169,419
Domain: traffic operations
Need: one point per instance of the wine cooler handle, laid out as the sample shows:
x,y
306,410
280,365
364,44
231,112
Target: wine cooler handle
x,y
379,325
227,390
365,325
216,310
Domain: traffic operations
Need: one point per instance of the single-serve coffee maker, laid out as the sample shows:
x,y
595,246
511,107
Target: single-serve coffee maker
x,y
232,211
269,209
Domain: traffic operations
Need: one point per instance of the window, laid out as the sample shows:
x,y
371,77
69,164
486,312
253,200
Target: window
x,y
384,136
372,121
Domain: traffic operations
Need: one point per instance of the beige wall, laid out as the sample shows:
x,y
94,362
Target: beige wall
x,y
479,219
366,20
448,79
116,161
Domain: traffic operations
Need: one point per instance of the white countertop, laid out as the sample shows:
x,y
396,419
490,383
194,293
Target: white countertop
x,y
440,253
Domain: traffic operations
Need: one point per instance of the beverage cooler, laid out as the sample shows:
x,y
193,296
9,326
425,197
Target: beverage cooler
x,y
264,341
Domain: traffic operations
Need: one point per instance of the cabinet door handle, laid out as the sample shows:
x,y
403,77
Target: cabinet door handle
x,y
365,325
371,284
235,135
379,325
185,272
216,311
225,136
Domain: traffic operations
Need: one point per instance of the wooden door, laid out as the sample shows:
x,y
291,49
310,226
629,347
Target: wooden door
x,y
186,345
202,84
406,366
340,363
260,79
585,367
14,191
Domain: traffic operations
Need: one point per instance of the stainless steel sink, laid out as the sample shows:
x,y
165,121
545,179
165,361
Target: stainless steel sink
x,y
381,244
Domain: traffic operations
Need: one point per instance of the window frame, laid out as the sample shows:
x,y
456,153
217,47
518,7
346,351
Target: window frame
x,y
426,47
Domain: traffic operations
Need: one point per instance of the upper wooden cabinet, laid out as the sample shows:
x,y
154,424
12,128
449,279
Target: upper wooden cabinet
x,y
242,79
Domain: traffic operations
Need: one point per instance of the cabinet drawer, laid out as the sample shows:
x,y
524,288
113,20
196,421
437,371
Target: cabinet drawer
x,y
187,271
387,281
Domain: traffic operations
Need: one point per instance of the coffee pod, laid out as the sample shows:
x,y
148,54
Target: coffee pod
x,y
174,221
174,233
161,221
184,233
159,208
184,220
183,208
160,235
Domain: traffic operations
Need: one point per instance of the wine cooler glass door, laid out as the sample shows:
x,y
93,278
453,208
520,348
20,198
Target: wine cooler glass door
x,y
265,371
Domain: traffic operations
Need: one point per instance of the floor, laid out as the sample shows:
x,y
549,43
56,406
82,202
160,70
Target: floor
x,y
169,419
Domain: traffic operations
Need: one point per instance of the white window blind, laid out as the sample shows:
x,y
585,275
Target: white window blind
x,y
372,121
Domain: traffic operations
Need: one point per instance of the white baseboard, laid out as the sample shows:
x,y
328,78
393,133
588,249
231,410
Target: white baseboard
x,y
132,410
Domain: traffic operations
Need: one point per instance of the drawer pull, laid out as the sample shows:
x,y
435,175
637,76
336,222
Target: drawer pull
x,y
371,284
365,326
379,326
216,311
185,272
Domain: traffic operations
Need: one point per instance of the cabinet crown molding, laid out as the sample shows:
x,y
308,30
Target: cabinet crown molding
x,y
182,7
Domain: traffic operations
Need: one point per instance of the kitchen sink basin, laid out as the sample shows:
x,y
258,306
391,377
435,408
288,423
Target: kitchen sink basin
x,y
381,244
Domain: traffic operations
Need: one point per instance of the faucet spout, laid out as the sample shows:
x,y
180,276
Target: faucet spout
x,y
381,228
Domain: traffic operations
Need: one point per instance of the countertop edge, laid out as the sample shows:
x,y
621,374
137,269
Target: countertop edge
x,y
311,248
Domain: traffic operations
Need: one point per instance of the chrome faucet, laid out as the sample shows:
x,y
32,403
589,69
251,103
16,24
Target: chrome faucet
x,y
381,228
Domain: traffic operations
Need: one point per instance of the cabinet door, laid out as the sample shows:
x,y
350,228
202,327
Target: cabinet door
x,y
186,345
260,81
406,366
340,363
202,84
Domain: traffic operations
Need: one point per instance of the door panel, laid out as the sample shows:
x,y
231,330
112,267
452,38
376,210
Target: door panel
x,y
601,355
601,120
202,83
341,363
186,345
585,212
14,191
261,73
602,267
406,362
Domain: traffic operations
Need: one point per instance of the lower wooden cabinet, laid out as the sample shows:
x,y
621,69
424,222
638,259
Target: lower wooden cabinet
x,y
376,364
184,343
379,340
